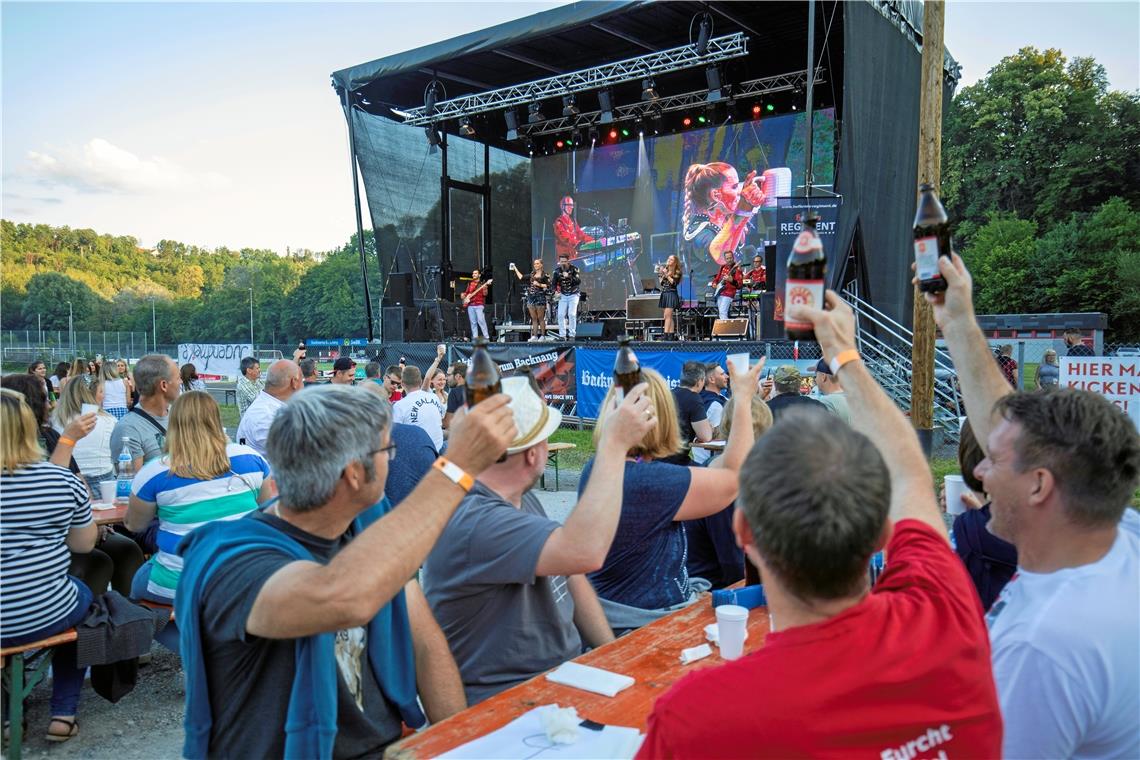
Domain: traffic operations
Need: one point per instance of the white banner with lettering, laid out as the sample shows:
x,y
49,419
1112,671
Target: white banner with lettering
x,y
1117,379
215,361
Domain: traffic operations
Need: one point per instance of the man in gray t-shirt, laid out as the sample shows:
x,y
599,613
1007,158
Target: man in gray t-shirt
x,y
158,382
506,583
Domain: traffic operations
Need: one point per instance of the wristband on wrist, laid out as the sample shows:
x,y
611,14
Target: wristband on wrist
x,y
842,358
454,473
67,441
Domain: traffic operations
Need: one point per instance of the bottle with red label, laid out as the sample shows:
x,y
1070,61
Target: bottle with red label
x,y
931,239
807,269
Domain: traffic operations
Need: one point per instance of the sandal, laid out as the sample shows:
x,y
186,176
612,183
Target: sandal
x,y
72,730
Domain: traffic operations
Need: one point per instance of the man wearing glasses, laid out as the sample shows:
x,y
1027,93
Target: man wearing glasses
x,y
457,391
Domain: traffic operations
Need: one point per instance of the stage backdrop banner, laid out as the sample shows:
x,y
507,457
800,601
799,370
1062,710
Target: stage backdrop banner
x,y
1117,379
215,361
596,369
552,365
790,213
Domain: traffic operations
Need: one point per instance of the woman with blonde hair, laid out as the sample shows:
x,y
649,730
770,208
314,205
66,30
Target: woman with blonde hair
x,y
1048,373
713,553
116,395
644,575
124,370
669,276
46,515
203,477
718,209
93,452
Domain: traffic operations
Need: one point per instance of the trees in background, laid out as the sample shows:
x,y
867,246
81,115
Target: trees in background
x,y
1041,172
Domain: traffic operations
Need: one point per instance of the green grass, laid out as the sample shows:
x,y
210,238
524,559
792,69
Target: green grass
x,y
574,459
230,416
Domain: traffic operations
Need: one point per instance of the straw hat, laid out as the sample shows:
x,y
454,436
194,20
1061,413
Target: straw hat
x,y
535,420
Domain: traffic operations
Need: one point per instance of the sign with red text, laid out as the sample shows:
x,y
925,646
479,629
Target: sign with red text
x,y
1116,379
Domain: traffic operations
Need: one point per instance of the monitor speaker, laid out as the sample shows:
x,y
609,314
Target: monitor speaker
x,y
400,292
591,330
730,328
644,307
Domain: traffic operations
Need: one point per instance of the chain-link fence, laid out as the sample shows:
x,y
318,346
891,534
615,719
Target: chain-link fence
x,y
1025,357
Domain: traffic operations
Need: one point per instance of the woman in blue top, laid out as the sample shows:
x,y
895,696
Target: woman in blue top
x,y
644,575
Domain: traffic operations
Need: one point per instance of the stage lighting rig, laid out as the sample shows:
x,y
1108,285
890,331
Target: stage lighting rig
x,y
570,106
606,107
593,134
712,79
432,135
465,127
534,114
703,34
512,120
649,90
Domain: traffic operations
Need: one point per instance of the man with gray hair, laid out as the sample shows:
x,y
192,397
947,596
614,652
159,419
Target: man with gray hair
x,y
281,382
249,384
300,633
158,384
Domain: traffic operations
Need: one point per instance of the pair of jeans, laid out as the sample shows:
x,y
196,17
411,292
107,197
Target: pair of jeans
x,y
568,309
66,675
168,636
723,304
478,322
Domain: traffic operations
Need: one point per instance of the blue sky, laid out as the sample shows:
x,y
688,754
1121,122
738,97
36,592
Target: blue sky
x,y
214,123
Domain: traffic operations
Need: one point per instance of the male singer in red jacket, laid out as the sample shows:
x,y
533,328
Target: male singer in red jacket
x,y
567,234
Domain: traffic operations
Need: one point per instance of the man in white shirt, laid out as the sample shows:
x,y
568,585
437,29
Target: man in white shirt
x,y
420,408
1060,469
282,381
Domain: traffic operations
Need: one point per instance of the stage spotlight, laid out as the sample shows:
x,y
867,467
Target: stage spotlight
x,y
559,144
512,120
534,113
570,106
704,34
702,119
465,127
606,106
431,97
613,134
770,108
432,135
712,79
756,110
625,133
687,121
649,90
593,134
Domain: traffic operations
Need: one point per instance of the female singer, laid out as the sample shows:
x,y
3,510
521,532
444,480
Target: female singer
x,y
474,299
669,276
537,286
718,208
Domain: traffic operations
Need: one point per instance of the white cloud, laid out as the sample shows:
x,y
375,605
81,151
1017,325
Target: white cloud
x,y
100,167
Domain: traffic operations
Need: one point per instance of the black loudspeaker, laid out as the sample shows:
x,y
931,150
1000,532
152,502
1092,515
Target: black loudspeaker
x,y
770,265
399,323
591,330
400,292
770,329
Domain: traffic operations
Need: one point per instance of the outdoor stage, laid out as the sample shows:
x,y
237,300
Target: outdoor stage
x,y
627,133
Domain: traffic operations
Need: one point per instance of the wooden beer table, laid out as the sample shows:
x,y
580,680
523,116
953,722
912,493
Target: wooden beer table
x,y
112,516
651,655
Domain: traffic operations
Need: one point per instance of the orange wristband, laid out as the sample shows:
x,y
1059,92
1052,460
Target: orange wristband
x,y
842,358
66,441
454,473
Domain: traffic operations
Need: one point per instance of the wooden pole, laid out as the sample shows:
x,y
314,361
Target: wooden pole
x,y
929,170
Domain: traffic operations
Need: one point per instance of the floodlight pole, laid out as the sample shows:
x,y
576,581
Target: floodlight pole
x,y
929,170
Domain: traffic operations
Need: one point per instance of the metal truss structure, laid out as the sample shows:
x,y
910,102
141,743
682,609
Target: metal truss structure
x,y
686,101
675,59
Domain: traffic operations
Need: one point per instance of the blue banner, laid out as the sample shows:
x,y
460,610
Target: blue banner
x,y
336,342
595,370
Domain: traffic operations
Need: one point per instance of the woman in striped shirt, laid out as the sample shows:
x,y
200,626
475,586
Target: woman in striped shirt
x,y
46,513
203,478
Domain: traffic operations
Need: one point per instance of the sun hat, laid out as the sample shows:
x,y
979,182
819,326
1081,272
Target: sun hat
x,y
535,420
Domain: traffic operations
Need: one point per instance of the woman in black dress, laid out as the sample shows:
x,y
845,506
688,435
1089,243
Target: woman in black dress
x,y
669,277
537,286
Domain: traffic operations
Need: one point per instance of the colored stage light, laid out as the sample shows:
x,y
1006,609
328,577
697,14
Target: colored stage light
x,y
687,121
625,133
613,134
755,110
702,119
570,143
770,107
559,144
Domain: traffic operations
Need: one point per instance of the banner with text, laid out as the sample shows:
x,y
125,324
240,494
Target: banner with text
x,y
1117,379
215,361
596,367
790,213
551,365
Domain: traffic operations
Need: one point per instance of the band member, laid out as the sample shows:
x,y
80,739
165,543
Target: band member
x,y
474,298
670,277
728,280
718,208
537,287
756,278
567,280
567,234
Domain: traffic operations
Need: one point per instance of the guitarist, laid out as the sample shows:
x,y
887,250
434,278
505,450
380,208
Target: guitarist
x,y
474,298
728,280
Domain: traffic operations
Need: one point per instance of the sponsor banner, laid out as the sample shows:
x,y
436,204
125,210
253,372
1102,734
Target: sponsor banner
x,y
790,213
552,365
1116,379
336,342
595,370
215,361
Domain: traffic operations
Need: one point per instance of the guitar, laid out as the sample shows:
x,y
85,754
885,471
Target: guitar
x,y
468,296
724,281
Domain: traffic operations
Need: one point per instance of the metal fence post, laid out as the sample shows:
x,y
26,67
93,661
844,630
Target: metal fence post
x,y
1020,364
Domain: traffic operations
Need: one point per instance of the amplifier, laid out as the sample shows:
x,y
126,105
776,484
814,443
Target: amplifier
x,y
730,328
643,307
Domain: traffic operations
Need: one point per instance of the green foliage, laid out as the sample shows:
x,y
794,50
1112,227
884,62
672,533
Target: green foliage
x,y
1041,172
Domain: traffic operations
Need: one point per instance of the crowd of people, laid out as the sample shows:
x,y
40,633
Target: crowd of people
x,y
368,555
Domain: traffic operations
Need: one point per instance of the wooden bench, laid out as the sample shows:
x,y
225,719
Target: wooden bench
x,y
19,680
552,459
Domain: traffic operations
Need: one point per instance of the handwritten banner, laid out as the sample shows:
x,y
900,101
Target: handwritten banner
x,y
215,361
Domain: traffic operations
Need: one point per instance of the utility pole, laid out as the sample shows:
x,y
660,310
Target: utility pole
x,y
929,170
251,318
70,330
153,327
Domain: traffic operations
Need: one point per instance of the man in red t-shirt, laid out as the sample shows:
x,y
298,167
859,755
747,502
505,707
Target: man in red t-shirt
x,y
567,234
898,672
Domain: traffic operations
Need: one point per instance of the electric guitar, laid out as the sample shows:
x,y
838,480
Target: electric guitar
x,y
724,281
468,296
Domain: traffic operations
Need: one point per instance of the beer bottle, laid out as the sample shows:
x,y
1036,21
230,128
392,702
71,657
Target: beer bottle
x,y
627,370
807,268
483,379
931,239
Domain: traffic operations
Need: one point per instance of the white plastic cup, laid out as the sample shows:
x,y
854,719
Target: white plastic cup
x,y
88,408
107,491
732,629
955,487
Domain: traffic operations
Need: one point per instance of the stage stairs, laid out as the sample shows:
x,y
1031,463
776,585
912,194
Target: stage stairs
x,y
886,348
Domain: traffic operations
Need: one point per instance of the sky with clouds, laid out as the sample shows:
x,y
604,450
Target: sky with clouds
x,y
214,123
